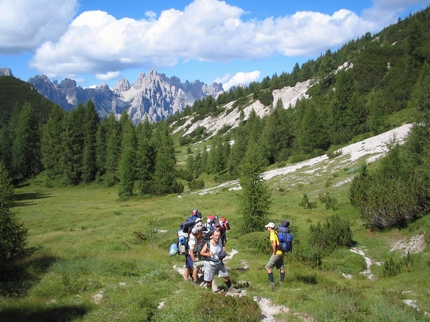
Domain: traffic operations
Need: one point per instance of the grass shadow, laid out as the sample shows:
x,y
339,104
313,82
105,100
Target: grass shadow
x,y
19,275
63,313
21,198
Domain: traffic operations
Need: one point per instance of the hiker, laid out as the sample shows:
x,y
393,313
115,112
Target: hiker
x,y
195,215
191,258
277,257
214,254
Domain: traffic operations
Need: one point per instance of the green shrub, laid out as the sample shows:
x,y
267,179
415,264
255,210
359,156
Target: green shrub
x,y
393,268
257,242
386,199
335,232
329,201
306,204
196,184
309,256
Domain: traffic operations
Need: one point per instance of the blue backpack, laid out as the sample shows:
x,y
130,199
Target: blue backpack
x,y
285,238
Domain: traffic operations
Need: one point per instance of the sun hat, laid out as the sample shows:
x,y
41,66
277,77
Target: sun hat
x,y
270,224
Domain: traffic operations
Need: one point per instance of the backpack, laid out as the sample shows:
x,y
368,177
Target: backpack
x,y
182,243
285,238
206,237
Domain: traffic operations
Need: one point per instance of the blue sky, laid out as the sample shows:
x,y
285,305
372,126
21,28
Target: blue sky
x,y
233,42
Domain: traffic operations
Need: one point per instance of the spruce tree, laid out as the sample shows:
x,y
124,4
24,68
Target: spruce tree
x,y
75,138
164,177
26,160
12,233
255,198
113,149
126,165
89,158
145,159
53,148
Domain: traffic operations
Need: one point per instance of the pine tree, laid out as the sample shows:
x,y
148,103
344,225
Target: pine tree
x,y
145,159
126,165
6,188
113,149
12,234
53,148
255,199
89,162
75,138
26,160
164,177
312,136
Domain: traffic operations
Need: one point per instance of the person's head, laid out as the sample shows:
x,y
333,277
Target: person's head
x,y
195,212
270,226
216,235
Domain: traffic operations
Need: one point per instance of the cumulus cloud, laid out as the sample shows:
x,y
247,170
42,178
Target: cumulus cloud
x,y
25,25
206,30
239,79
108,75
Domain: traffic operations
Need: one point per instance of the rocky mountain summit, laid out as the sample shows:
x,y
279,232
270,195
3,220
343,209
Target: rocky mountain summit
x,y
153,96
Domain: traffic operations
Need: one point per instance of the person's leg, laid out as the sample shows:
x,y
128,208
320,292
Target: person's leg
x,y
280,265
269,268
224,274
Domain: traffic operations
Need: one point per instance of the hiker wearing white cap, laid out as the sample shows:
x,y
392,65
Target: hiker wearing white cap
x,y
191,258
277,257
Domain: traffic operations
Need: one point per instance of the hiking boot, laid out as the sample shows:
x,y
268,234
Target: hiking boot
x,y
232,289
218,291
272,286
280,283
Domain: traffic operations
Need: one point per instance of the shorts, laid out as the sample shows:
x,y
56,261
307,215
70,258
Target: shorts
x,y
275,261
211,270
189,262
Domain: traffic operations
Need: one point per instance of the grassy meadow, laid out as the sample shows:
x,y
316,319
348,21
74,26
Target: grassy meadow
x,y
93,257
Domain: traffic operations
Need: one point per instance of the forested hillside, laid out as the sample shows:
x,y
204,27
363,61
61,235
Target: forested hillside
x,y
370,94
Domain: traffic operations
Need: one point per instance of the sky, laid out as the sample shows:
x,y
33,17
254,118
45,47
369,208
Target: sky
x,y
233,42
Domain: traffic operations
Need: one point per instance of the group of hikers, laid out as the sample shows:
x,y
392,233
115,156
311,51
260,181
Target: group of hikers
x,y
204,247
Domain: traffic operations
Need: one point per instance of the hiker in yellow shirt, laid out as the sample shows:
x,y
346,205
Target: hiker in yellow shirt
x,y
277,257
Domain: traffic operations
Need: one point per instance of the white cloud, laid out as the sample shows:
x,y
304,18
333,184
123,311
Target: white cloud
x,y
26,24
206,30
239,79
108,75
385,11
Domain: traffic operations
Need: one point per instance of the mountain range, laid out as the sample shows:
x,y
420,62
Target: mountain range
x,y
153,96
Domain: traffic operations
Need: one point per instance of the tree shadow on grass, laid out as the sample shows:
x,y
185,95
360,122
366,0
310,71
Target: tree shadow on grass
x,y
62,313
23,199
19,275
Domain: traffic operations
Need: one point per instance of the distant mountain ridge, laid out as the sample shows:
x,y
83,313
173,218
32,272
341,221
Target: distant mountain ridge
x,y
153,96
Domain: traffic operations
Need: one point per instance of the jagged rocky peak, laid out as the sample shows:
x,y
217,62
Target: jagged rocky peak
x,y
6,72
103,86
40,79
123,85
67,83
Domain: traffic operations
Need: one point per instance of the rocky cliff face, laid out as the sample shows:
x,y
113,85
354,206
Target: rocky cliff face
x,y
5,72
153,96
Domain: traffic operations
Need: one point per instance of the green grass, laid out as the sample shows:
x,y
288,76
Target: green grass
x,y
93,257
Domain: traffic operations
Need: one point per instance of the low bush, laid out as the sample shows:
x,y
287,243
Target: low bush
x,y
257,242
335,232
306,204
